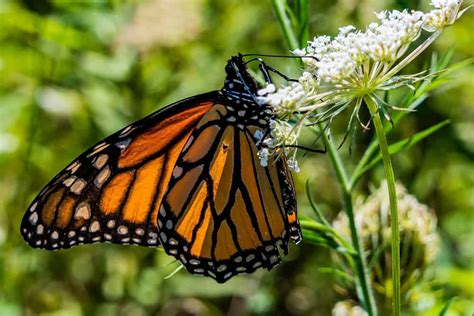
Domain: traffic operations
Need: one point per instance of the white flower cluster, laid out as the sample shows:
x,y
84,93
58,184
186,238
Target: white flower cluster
x,y
444,14
284,101
389,40
341,71
287,100
339,58
281,134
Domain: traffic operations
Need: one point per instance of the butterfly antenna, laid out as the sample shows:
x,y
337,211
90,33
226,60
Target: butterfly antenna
x,y
279,56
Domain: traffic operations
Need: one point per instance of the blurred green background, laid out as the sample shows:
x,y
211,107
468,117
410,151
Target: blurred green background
x,y
72,72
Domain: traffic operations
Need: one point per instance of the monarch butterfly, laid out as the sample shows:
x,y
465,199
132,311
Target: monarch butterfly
x,y
187,178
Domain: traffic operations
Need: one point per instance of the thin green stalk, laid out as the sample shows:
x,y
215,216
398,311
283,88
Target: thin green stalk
x,y
285,23
367,296
390,177
362,163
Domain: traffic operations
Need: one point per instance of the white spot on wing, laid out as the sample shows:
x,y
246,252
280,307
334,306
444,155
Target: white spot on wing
x,y
163,237
69,181
177,171
190,140
162,210
33,206
74,166
126,131
95,226
194,262
33,218
83,211
122,230
123,144
40,229
98,148
102,177
173,242
100,161
78,186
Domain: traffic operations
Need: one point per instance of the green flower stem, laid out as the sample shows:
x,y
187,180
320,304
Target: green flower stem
x,y
390,177
362,163
361,265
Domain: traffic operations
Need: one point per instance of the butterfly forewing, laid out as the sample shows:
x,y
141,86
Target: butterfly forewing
x,y
113,191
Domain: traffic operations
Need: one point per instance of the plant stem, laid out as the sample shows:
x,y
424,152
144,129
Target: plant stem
x,y
285,22
392,193
367,296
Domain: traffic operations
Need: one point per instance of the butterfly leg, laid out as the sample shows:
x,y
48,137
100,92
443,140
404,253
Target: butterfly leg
x,y
265,69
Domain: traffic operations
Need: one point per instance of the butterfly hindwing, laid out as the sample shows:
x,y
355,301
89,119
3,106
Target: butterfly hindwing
x,y
112,192
233,213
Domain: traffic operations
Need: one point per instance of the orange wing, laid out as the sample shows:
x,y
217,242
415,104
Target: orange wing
x,y
223,213
112,192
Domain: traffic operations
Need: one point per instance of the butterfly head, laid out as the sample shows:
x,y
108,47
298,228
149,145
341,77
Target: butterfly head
x,y
239,85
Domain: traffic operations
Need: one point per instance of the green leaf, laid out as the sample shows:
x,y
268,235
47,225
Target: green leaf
x,y
318,233
447,306
314,206
399,146
337,273
317,239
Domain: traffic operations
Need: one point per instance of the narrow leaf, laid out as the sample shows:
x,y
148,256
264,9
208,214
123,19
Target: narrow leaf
x,y
447,306
402,145
314,206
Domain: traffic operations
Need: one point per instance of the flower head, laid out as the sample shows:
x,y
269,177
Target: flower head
x,y
444,14
356,65
284,101
347,308
417,232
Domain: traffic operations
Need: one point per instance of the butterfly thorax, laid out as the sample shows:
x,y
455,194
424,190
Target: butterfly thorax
x,y
240,96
